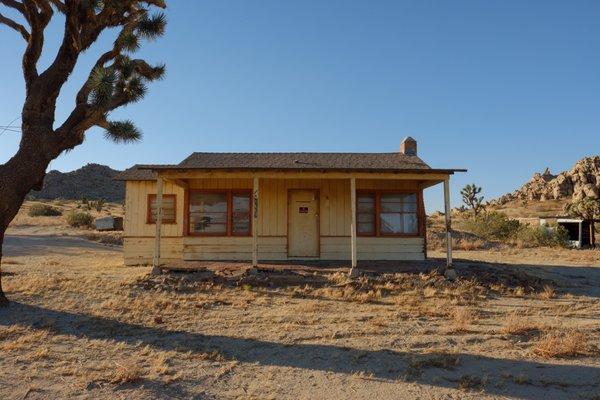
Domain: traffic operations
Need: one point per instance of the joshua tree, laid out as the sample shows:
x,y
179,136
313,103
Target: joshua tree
x,y
586,208
115,80
469,197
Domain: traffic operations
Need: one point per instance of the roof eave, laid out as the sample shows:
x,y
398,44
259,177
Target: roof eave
x,y
449,171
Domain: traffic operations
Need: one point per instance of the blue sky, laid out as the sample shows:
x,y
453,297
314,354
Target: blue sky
x,y
503,88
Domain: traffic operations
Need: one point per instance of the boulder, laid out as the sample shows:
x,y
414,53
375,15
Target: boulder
x,y
583,180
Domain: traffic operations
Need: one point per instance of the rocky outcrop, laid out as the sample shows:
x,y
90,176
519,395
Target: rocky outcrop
x,y
583,180
93,181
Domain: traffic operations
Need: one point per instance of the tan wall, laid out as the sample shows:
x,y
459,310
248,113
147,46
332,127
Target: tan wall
x,y
335,219
136,208
138,250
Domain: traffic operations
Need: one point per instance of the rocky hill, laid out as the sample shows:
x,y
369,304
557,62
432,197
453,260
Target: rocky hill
x,y
583,180
93,181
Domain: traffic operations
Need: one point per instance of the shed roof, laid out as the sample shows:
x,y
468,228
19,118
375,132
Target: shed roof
x,y
346,162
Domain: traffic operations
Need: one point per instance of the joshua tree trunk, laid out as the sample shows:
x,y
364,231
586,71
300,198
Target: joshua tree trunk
x,y
3,299
22,173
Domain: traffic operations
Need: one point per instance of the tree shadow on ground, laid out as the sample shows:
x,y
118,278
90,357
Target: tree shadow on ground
x,y
43,245
577,280
492,375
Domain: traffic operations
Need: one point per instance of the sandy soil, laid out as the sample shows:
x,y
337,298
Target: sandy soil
x,y
519,323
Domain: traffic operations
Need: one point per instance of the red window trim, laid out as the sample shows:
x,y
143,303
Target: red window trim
x,y
149,200
377,210
229,224
370,193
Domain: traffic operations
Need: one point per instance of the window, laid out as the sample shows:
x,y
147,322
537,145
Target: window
x,y
169,209
387,213
221,213
241,214
365,214
398,213
208,213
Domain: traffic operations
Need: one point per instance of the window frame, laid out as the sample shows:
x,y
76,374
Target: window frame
x,y
372,193
150,198
377,211
229,193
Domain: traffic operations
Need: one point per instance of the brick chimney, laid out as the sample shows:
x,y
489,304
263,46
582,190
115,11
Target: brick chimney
x,y
408,146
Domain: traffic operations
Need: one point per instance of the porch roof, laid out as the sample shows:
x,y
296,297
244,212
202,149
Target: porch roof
x,y
291,162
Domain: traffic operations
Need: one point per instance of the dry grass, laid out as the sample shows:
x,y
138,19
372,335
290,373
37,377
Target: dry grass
x,y
561,343
442,361
87,325
462,319
548,293
469,382
516,325
126,372
469,244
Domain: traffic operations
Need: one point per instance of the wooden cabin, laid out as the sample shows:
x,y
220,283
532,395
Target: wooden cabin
x,y
279,207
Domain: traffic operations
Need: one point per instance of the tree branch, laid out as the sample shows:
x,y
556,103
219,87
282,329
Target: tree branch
x,y
14,4
60,6
17,27
38,19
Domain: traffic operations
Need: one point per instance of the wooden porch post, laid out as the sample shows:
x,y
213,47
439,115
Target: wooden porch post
x,y
448,211
353,225
255,223
159,215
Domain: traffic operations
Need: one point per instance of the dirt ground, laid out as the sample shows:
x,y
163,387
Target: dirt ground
x,y
518,323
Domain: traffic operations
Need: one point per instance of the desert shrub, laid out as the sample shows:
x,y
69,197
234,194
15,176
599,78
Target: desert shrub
x,y
535,236
497,226
79,219
127,372
492,226
46,210
561,344
97,205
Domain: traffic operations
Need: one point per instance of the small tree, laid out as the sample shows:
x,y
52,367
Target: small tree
x,y
115,80
586,208
469,197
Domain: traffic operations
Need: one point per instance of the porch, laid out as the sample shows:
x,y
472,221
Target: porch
x,y
270,230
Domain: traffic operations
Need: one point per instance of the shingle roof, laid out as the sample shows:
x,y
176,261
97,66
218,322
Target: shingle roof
x,y
303,161
366,162
136,173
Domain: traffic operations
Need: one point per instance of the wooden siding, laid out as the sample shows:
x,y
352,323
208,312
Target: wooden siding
x,y
334,216
373,248
233,248
136,209
139,250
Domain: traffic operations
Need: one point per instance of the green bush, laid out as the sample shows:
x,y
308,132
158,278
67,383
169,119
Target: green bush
x,y
79,219
46,210
536,236
492,226
495,226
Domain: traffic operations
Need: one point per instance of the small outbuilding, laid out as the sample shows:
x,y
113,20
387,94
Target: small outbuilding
x,y
580,231
281,206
